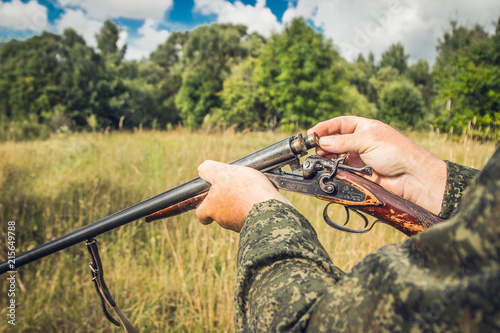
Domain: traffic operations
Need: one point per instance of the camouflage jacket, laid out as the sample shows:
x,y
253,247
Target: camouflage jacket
x,y
446,278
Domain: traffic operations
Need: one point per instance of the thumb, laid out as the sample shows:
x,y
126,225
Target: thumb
x,y
208,170
343,143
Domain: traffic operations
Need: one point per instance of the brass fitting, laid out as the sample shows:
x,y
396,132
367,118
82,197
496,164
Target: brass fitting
x,y
311,140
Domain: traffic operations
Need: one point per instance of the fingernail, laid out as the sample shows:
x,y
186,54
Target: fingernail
x,y
325,141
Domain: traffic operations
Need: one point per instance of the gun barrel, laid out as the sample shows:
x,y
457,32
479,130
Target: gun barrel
x,y
273,156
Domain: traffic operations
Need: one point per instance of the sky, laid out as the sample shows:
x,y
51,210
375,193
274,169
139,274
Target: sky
x,y
354,26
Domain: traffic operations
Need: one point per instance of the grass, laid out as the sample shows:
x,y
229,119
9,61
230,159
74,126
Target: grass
x,y
172,275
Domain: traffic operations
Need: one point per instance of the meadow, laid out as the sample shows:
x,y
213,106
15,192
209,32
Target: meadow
x,y
172,275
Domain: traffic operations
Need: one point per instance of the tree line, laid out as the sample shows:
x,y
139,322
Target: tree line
x,y
218,76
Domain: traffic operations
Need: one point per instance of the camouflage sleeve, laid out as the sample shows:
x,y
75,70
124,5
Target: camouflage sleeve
x,y
446,278
458,179
282,269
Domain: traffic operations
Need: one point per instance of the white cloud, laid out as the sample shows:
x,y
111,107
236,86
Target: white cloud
x,y
149,34
81,23
102,9
17,15
362,26
150,38
86,27
89,15
257,18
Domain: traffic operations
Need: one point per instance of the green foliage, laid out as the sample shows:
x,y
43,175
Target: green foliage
x,y
207,56
300,78
419,73
169,54
401,105
106,42
383,77
20,130
467,81
402,95
395,57
360,74
242,106
458,39
58,81
30,76
92,121
218,76
254,44
163,78
357,104
81,71
197,96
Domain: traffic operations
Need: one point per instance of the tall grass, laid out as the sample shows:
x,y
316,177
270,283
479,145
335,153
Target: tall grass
x,y
172,275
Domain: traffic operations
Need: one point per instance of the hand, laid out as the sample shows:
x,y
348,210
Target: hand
x,y
399,165
235,190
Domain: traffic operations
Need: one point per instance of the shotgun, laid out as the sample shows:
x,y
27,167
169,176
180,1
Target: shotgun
x,y
331,180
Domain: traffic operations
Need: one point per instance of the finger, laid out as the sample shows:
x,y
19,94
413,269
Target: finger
x,y
338,125
202,213
340,144
355,160
325,154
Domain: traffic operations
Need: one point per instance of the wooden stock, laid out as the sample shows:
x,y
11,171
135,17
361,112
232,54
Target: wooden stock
x,y
386,206
177,209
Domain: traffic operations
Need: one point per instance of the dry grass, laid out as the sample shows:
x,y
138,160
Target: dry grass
x,y
168,276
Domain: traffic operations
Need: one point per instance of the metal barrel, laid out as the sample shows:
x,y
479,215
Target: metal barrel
x,y
275,155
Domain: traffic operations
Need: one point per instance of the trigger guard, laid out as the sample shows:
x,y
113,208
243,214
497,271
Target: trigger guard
x,y
334,225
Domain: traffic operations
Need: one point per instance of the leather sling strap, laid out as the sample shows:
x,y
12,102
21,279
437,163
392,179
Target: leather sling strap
x,y
102,290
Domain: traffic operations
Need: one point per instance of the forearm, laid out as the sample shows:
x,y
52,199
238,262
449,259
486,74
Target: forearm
x,y
282,269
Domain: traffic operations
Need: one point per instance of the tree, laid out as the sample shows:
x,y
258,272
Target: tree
x,y
254,44
107,39
357,104
360,73
164,77
242,106
419,73
30,76
401,105
81,71
300,77
207,56
382,78
169,54
395,57
456,40
467,81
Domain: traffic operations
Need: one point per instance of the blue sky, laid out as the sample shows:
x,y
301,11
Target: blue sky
x,y
355,26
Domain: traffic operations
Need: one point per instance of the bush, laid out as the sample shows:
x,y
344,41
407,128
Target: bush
x,y
401,105
357,104
23,130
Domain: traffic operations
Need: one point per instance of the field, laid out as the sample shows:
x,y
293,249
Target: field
x,y
172,275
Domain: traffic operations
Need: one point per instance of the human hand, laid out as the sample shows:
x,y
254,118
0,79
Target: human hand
x,y
235,190
399,164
